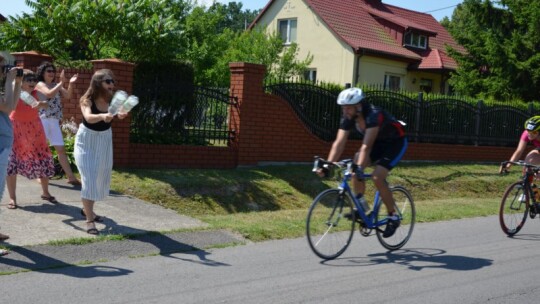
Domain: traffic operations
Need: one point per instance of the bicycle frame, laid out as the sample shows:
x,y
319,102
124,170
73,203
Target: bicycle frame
x,y
527,179
370,220
331,206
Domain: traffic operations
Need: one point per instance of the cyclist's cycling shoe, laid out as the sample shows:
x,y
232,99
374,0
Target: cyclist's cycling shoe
x,y
533,210
391,226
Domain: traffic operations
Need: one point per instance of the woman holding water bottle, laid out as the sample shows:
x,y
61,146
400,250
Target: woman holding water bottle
x,y
93,143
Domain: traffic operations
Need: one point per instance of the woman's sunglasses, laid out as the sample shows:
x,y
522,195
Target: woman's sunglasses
x,y
30,79
109,81
50,71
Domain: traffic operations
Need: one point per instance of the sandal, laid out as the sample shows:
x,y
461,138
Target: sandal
x,y
98,218
93,230
12,205
50,199
3,237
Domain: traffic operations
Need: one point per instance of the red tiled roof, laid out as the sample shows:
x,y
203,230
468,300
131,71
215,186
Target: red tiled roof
x,y
354,21
436,59
405,23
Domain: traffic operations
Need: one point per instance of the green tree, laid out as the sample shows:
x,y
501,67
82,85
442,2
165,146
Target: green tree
x,y
131,30
205,44
234,18
257,46
502,42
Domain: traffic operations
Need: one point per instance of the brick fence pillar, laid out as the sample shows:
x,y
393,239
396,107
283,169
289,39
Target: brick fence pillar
x,y
30,60
123,74
247,85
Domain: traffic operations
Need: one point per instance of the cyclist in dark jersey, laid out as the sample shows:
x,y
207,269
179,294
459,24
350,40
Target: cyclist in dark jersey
x,y
383,145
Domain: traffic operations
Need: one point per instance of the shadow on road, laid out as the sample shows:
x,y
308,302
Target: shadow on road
x,y
70,259
37,261
416,259
526,237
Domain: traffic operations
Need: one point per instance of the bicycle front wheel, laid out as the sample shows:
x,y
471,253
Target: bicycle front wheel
x,y
328,232
404,206
514,209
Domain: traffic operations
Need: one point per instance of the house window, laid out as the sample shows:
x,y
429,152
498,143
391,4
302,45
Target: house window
x,y
392,82
310,75
426,85
287,30
415,40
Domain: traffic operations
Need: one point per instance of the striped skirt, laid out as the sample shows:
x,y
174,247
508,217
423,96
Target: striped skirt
x,y
94,159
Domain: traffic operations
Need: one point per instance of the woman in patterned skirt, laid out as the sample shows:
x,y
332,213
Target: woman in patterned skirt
x,y
93,145
30,156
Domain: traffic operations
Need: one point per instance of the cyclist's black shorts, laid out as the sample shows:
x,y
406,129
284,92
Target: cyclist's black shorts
x,y
387,153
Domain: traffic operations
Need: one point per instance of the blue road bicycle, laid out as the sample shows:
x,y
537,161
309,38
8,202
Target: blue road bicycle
x,y
331,218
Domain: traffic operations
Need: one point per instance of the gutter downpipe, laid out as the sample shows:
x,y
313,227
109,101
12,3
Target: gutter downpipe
x,y
360,53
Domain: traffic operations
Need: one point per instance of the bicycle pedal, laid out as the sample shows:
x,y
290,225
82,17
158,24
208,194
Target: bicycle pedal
x,y
364,231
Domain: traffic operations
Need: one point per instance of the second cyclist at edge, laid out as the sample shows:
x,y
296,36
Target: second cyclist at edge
x,y
383,145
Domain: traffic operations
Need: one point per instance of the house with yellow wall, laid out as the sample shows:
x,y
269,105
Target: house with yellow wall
x,y
365,42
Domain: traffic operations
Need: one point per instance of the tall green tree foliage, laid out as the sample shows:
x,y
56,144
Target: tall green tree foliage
x,y
234,18
216,36
502,40
208,38
257,46
132,30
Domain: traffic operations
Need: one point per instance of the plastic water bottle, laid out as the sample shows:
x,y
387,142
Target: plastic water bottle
x,y
131,102
118,100
363,203
29,99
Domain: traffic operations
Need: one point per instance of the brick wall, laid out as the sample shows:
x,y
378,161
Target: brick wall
x,y
265,128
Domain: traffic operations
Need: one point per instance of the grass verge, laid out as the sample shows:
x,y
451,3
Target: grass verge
x,y
271,202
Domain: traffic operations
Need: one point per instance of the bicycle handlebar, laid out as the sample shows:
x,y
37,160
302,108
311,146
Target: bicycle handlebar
x,y
321,163
503,169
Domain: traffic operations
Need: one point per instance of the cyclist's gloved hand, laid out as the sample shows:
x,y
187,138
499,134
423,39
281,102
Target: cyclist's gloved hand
x,y
359,172
504,168
325,171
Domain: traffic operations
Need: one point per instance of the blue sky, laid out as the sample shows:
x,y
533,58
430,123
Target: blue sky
x,y
438,8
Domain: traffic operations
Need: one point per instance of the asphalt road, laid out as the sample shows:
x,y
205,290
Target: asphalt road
x,y
465,261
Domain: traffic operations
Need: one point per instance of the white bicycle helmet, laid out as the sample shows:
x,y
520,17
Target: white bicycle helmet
x,y
350,96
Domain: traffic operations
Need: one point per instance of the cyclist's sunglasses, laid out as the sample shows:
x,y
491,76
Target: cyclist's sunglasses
x,y
534,133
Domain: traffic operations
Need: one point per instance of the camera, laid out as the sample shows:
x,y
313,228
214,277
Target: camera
x,y
6,68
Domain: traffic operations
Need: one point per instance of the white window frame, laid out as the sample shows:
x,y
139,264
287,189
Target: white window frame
x,y
390,81
291,31
415,40
310,74
426,83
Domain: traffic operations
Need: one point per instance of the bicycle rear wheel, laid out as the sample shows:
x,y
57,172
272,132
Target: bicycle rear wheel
x,y
514,209
328,232
404,206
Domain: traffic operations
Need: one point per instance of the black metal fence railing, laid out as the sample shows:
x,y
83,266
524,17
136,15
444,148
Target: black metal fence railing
x,y
185,115
446,119
314,105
